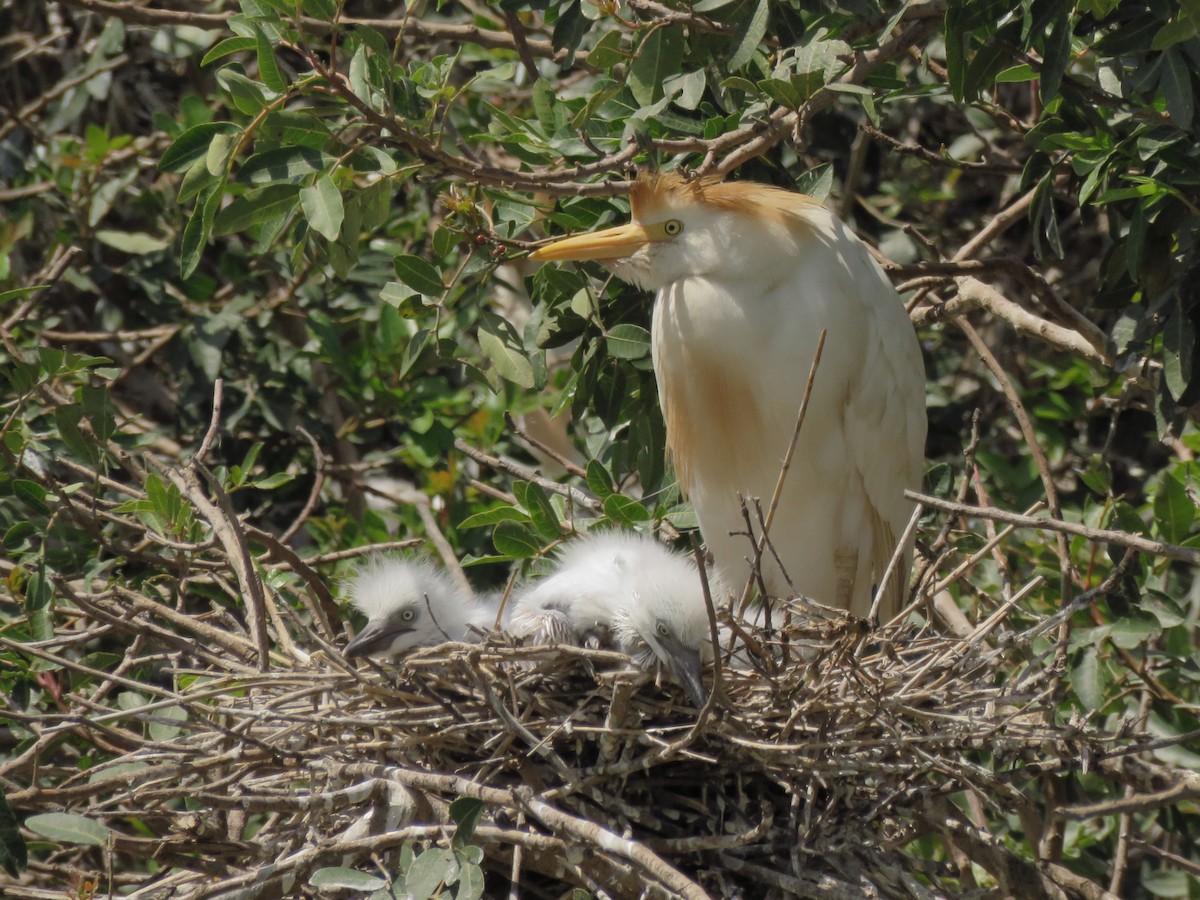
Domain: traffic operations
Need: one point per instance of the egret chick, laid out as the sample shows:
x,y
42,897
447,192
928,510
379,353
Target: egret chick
x,y
408,604
630,588
746,277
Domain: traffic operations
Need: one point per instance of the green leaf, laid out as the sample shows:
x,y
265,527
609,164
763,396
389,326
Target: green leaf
x,y
607,52
293,164
543,105
541,514
466,812
1088,679
66,420
249,97
322,205
1174,511
427,873
226,47
268,69
193,145
1044,218
625,511
570,29
470,883
31,494
749,36
1179,343
1056,56
14,856
1177,88
419,275
257,207
1014,74
164,727
1133,631
135,243
494,517
628,341
70,828
17,536
339,877
599,481
502,345
198,229
515,541
660,57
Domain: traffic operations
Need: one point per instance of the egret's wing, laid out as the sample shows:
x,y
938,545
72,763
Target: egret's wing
x,y
885,431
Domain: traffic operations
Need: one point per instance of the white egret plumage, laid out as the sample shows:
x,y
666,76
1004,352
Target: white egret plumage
x,y
409,603
631,590
747,276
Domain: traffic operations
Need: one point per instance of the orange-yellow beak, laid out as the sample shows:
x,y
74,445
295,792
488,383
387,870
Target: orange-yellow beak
x,y
611,243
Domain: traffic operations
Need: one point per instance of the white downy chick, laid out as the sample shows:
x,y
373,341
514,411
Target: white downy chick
x,y
649,598
408,604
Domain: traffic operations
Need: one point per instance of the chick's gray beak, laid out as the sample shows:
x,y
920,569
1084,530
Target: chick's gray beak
x,y
376,637
684,664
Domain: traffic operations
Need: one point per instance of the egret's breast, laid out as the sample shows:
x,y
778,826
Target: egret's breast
x,y
707,386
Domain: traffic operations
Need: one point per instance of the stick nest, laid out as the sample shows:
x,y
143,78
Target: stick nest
x,y
829,753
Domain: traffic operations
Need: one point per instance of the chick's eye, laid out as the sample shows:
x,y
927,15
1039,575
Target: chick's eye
x,y
663,630
672,227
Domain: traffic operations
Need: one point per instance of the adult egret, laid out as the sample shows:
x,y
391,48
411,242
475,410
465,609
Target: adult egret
x,y
631,590
408,604
746,277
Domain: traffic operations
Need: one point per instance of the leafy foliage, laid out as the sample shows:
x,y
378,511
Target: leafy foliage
x,y
328,211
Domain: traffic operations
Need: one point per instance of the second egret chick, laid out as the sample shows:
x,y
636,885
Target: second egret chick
x,y
647,597
408,604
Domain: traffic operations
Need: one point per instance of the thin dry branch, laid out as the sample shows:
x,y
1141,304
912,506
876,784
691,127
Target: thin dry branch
x,y
1045,523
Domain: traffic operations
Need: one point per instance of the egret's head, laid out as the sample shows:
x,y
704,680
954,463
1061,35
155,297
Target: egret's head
x,y
667,621
697,227
408,604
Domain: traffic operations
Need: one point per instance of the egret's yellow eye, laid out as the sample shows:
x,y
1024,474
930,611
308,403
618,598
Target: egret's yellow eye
x,y
408,615
672,227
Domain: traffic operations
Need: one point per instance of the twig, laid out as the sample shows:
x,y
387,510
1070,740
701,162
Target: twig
x,y
1035,448
314,493
574,494
214,422
1044,523
542,447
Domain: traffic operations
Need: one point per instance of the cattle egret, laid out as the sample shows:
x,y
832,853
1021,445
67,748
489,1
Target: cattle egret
x,y
408,604
628,588
747,276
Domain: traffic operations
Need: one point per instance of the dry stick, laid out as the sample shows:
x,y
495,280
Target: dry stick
x,y
893,566
1039,456
787,463
555,819
1174,859
214,421
974,294
315,493
710,702
1120,538
994,541
318,606
525,473
570,465
227,528
1000,223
